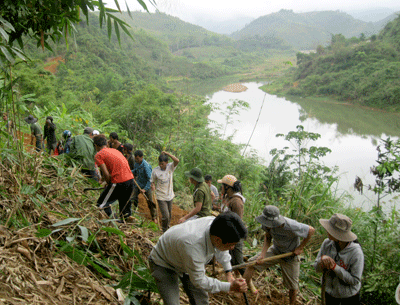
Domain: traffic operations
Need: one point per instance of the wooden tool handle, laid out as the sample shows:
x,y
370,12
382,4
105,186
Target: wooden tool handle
x,y
264,260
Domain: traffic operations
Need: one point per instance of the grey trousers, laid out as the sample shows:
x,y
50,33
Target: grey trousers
x,y
165,209
167,282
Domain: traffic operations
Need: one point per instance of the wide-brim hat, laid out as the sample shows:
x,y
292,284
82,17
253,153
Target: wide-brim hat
x,y
196,174
228,180
30,119
339,226
271,217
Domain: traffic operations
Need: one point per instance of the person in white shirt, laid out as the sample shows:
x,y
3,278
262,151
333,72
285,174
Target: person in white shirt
x,y
183,251
162,183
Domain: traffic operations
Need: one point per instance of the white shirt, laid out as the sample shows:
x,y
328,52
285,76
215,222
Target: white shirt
x,y
163,181
187,248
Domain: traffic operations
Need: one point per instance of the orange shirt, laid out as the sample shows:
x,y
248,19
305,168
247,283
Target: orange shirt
x,y
116,164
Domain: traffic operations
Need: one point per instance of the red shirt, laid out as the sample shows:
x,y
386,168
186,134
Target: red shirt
x,y
116,164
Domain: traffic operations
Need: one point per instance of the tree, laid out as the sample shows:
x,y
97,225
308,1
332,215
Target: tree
x,y
49,19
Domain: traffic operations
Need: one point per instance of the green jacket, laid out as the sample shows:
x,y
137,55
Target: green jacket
x,y
202,194
82,150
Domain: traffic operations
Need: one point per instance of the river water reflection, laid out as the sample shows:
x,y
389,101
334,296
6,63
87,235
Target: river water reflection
x,y
352,133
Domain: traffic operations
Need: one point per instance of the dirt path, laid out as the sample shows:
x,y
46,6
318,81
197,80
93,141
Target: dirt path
x,y
177,212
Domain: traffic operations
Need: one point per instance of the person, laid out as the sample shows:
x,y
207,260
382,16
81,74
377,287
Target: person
x,y
286,234
128,155
50,134
83,151
201,196
116,172
214,192
342,258
142,172
162,184
115,143
9,125
96,132
68,139
234,201
36,131
183,251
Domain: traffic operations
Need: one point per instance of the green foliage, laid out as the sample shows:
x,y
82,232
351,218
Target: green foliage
x,y
358,70
302,31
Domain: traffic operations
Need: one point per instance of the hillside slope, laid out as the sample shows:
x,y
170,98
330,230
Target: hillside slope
x,y
307,30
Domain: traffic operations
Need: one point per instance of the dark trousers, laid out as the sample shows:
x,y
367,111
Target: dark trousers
x,y
38,144
354,300
117,191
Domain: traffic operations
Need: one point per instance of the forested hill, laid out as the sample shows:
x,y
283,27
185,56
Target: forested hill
x,y
365,71
306,31
177,33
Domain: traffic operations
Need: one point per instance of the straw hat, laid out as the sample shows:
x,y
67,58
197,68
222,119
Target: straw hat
x,y
228,180
271,217
339,226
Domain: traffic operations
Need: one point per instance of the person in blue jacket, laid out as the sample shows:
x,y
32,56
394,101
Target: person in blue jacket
x,y
142,174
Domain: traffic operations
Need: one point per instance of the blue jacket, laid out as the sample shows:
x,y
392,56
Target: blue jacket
x,y
142,173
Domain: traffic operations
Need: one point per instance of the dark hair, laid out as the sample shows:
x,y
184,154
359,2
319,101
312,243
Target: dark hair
x,y
114,135
237,187
208,178
129,147
229,227
100,140
50,118
163,158
138,153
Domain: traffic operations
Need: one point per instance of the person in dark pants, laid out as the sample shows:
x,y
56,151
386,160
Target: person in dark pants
x,y
50,134
142,172
36,131
342,259
116,172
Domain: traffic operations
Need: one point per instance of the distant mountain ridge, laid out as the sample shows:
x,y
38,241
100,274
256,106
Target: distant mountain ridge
x,y
308,30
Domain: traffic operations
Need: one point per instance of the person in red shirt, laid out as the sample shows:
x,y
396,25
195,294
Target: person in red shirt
x,y
116,172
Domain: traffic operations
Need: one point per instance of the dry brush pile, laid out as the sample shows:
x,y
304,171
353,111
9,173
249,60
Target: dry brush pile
x,y
56,248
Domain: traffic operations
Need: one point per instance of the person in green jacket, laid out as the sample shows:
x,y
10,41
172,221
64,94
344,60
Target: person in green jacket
x,y
82,150
36,131
201,196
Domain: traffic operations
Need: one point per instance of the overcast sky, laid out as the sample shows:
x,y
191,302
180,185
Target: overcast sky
x,y
189,10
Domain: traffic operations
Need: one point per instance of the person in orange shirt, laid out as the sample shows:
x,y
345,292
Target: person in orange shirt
x,y
116,172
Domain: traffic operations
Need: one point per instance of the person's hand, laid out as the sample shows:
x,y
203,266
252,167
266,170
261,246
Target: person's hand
x,y
298,251
164,153
238,285
181,220
143,191
229,277
327,262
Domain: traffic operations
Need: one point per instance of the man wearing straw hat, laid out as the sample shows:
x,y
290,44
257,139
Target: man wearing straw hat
x,y
342,258
36,131
286,234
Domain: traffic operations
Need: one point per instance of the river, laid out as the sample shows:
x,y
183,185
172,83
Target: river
x,y
351,132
